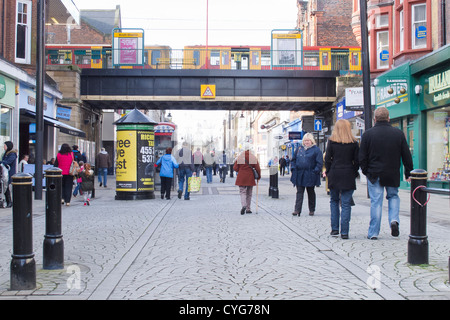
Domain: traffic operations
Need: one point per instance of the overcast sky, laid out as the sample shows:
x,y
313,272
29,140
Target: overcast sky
x,y
183,22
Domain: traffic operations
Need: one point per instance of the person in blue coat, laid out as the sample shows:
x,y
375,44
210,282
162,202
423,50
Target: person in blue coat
x,y
168,163
306,166
9,160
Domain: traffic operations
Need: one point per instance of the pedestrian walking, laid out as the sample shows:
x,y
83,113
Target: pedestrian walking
x,y
23,162
208,163
382,148
288,164
198,161
76,154
282,165
184,159
306,166
87,183
168,164
223,167
245,178
103,162
9,160
78,179
341,169
64,160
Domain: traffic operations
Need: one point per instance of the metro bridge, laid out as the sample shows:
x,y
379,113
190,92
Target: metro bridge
x,y
234,89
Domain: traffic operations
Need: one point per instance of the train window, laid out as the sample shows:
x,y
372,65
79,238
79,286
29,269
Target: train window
x,y
196,57
156,54
215,58
311,59
83,59
265,58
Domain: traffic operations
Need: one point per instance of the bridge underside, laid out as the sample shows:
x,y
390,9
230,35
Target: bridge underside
x,y
235,90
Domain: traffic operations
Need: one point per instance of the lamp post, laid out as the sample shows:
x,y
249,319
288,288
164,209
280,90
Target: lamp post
x,y
366,65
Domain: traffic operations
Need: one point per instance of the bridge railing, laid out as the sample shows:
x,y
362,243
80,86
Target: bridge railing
x,y
224,58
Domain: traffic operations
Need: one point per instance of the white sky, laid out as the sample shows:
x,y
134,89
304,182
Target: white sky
x,y
178,23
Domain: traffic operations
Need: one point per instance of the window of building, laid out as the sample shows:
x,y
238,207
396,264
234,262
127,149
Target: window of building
x,y
23,32
438,154
419,26
401,31
382,49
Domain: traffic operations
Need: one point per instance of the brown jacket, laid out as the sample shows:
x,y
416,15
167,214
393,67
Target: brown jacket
x,y
242,165
103,160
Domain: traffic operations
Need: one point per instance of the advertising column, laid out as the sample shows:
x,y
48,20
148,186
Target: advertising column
x,y
135,157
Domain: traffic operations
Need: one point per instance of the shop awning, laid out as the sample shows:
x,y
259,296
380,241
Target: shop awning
x,y
64,128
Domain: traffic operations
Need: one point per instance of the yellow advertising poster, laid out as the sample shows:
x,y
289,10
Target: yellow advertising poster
x,y
126,162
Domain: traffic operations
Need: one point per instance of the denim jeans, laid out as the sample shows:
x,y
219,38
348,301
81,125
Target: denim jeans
x,y
345,198
209,174
102,172
183,175
376,206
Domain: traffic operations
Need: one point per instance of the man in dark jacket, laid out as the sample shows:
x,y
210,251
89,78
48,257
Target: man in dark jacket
x,y
383,147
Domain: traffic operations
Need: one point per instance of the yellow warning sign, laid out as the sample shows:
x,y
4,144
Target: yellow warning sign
x,y
208,91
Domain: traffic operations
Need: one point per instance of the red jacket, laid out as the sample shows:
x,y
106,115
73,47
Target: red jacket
x,y
64,162
242,165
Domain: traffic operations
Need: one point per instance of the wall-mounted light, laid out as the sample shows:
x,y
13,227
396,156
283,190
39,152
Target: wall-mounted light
x,y
418,89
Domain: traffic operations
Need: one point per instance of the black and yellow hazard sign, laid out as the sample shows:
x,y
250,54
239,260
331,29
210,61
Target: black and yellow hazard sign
x,y
208,91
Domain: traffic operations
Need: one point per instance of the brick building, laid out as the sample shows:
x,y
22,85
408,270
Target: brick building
x,y
326,22
18,55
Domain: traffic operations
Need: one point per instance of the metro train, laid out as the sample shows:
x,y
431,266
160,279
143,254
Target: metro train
x,y
344,59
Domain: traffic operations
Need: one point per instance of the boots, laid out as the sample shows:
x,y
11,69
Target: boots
x,y
8,198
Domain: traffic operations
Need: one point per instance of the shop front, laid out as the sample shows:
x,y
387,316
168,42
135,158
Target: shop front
x,y
417,95
431,76
7,103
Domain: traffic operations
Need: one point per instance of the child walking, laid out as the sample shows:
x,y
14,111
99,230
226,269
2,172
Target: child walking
x,y
87,183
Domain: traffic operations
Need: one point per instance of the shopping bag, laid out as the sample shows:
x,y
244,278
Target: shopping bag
x,y
194,184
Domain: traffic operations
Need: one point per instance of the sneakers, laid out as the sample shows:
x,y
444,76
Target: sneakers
x,y
334,233
295,213
180,192
394,229
243,210
101,184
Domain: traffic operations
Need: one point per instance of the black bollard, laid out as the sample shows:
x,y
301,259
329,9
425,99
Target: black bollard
x,y
418,239
275,186
53,247
23,265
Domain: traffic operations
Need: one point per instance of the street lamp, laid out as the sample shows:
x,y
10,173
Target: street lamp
x,y
366,64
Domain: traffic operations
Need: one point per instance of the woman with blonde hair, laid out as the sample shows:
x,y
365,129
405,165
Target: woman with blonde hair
x,y
341,169
306,165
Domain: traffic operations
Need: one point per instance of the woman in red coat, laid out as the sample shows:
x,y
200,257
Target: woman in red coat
x,y
245,178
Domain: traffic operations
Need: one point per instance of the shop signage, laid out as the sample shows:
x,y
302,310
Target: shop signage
x,y
421,32
438,92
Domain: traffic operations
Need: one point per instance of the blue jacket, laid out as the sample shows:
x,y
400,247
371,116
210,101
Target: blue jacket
x,y
306,166
168,163
9,158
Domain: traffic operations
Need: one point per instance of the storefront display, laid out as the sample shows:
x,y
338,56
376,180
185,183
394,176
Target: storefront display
x,y
438,157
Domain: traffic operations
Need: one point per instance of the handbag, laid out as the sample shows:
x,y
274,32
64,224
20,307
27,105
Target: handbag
x,y
194,183
255,173
74,167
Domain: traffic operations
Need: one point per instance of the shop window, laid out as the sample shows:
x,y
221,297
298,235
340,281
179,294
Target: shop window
x,y
5,123
23,32
438,154
419,26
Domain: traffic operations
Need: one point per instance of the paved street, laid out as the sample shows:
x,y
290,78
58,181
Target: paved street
x,y
204,249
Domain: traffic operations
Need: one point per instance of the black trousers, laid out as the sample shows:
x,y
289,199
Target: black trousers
x,y
67,184
166,185
311,198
